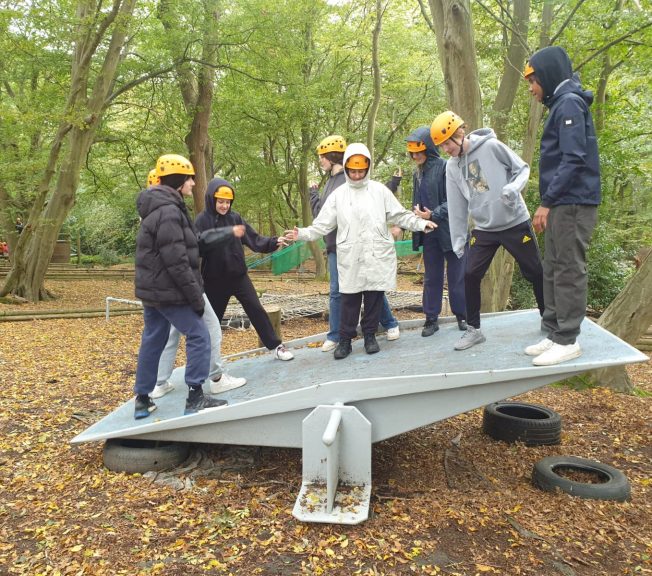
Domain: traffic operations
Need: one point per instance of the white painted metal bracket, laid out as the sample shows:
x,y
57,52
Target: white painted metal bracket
x,y
336,485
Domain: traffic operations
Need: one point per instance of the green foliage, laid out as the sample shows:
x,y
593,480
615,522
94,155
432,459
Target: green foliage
x,y
580,382
609,267
288,73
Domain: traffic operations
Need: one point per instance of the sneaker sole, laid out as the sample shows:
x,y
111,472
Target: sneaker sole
x,y
188,411
392,338
143,413
557,360
471,345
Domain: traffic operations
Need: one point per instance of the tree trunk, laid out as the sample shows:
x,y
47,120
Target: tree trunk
x,y
375,66
197,89
456,48
536,109
74,137
511,78
628,317
306,149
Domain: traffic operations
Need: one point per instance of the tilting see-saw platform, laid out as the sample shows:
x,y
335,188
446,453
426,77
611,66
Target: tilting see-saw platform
x,y
335,410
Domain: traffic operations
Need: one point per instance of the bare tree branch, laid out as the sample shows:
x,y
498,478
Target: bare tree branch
x,y
613,43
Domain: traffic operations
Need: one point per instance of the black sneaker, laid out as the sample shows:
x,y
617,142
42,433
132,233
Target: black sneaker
x,y
461,323
343,349
370,344
429,328
143,406
196,401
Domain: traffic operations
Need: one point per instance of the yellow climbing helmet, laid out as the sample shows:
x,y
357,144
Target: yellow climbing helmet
x,y
333,143
528,71
173,164
415,146
444,126
224,193
152,178
357,162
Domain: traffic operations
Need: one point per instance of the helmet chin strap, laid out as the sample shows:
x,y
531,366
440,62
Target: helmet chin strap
x,y
461,145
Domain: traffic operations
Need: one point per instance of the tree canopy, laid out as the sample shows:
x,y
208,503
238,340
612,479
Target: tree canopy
x,y
93,92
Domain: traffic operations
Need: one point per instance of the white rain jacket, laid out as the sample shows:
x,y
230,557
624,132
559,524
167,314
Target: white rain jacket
x,y
366,257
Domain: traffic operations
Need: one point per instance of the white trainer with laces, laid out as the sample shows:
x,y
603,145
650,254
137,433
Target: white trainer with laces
x,y
557,354
539,347
282,353
161,390
328,346
393,333
226,383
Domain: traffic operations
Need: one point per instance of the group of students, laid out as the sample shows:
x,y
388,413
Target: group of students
x,y
482,181
185,275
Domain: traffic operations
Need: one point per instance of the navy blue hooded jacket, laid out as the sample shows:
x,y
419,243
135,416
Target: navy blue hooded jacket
x,y
569,166
229,259
429,181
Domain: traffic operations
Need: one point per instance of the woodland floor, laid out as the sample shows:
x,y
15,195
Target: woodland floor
x,y
63,513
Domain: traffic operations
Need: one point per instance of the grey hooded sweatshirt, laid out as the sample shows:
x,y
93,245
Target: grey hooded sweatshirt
x,y
485,183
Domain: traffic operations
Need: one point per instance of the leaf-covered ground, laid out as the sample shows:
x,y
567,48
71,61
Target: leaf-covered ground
x,y
62,512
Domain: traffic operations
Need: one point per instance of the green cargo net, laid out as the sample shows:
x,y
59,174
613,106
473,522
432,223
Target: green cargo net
x,y
296,254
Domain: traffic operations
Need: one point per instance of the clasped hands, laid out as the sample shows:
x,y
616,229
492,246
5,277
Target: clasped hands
x,y
426,214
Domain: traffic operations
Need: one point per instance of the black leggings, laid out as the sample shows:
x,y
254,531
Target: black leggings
x,y
219,293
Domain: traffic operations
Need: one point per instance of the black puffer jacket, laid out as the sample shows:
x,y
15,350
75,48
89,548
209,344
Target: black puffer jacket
x,y
229,260
167,255
431,178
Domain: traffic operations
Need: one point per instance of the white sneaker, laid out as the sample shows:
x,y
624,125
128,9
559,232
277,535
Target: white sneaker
x,y
161,390
393,333
282,353
558,353
328,346
539,347
226,383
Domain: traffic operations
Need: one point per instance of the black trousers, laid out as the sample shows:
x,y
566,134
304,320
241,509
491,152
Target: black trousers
x,y
243,289
521,243
350,312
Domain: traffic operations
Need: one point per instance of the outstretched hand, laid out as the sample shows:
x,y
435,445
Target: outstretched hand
x,y
430,226
239,230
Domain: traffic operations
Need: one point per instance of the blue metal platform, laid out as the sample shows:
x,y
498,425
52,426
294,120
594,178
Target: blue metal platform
x,y
411,382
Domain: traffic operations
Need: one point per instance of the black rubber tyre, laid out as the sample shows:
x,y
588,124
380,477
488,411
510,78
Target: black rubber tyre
x,y
138,456
613,484
518,422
